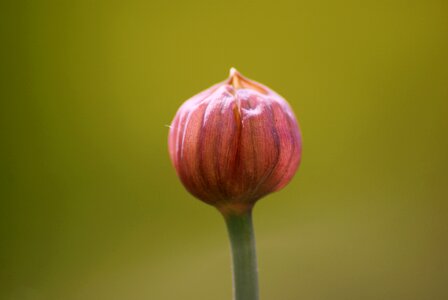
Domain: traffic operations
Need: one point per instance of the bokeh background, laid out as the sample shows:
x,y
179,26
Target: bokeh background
x,y
90,207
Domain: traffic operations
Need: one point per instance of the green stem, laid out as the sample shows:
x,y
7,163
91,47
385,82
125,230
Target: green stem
x,y
245,272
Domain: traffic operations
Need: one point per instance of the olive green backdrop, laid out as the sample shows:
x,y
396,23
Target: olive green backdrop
x,y
91,209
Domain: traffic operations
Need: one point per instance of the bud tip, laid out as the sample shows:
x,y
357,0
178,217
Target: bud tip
x,y
233,72
235,78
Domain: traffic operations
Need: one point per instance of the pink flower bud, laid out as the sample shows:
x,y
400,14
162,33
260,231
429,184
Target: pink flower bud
x,y
235,143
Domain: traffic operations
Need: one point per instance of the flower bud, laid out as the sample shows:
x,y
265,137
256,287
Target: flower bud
x,y
235,143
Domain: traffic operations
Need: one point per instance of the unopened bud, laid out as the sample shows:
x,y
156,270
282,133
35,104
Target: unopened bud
x,y
235,143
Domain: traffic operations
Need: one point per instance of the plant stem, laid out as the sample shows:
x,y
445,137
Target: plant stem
x,y
245,271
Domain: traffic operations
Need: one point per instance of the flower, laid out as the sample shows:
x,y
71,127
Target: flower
x,y
234,143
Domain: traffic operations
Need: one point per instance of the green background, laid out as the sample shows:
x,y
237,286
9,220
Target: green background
x,y
91,208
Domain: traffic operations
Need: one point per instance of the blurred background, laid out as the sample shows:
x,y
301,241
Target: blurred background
x,y
91,208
